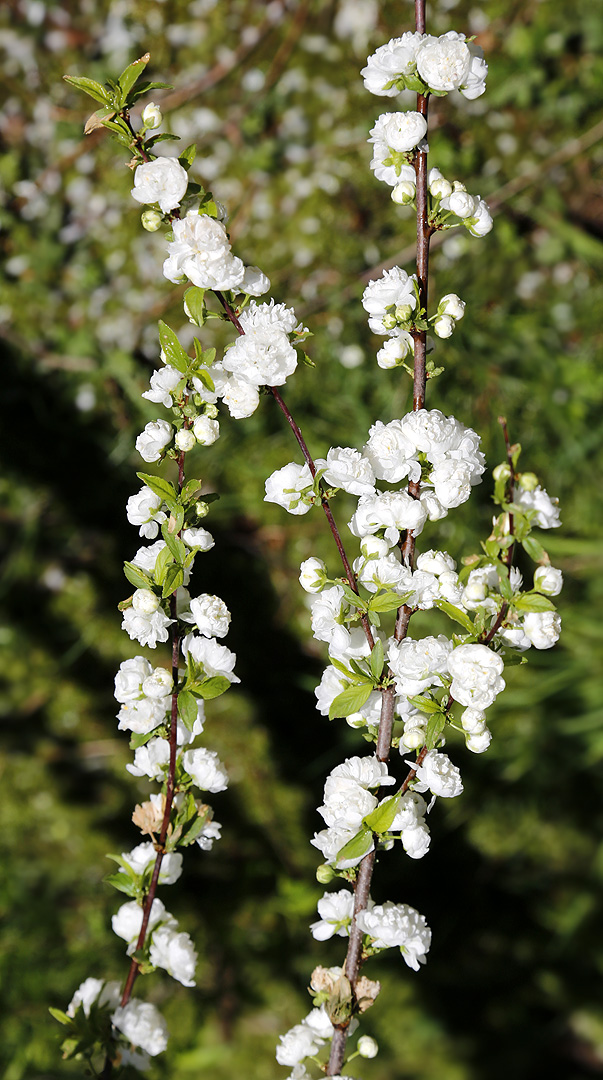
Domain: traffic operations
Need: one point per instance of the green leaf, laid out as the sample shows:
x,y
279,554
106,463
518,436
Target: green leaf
x,y
350,700
187,156
533,601
534,549
187,708
142,738
203,375
130,75
353,598
213,687
163,488
122,883
164,136
358,846
59,1015
379,821
456,615
174,578
162,562
377,659
175,354
90,87
435,727
137,577
189,491
425,704
503,577
387,601
307,360
194,299
174,543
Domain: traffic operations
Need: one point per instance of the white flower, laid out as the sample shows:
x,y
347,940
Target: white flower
x,y
391,925
143,716
417,664
127,921
298,1043
460,203
548,580
143,1025
175,952
255,282
144,854
331,684
473,721
416,841
438,774
452,481
163,383
335,910
450,63
162,181
395,350
240,397
312,575
369,772
431,505
211,615
476,675
151,115
285,487
318,1021
211,831
404,193
348,469
387,572
147,629
478,744
367,1047
480,222
268,317
263,356
327,617
345,806
394,289
153,440
206,769
143,509
158,684
93,991
452,305
201,252
130,677
542,628
216,659
331,841
410,812
206,430
443,326
395,59
146,557
152,759
392,511
390,453
435,562
184,440
547,509
400,131
200,538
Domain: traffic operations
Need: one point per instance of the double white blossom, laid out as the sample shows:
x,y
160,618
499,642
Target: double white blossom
x,y
390,925
200,251
162,181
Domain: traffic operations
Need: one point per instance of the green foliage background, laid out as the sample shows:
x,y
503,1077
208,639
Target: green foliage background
x,y
512,886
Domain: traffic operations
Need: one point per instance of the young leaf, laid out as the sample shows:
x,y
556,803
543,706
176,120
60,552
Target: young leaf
x,y
213,687
425,704
159,486
137,577
533,601
456,615
358,846
142,738
90,87
435,727
387,601
131,75
122,883
187,708
162,562
187,156
350,700
174,578
175,354
377,659
535,549
379,821
174,544
59,1015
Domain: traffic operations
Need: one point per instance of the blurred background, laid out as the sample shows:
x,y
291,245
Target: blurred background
x,y
271,94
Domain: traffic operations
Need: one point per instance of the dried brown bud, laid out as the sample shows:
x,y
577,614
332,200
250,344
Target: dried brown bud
x,y
366,992
148,816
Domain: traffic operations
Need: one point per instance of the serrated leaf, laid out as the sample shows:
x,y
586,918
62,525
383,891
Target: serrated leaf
x,y
162,562
174,578
380,819
176,520
388,601
142,738
533,601
203,375
130,75
357,847
456,615
377,659
137,577
213,687
435,727
122,883
90,87
175,354
187,708
59,1015
353,598
425,704
350,700
163,488
187,156
534,549
190,490
174,543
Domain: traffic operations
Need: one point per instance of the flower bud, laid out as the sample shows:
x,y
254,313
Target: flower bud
x,y
461,203
185,440
211,411
403,312
443,326
201,508
151,115
145,601
528,481
452,305
440,188
151,220
206,430
404,193
548,580
501,472
313,575
389,322
367,1046
158,684
413,739
374,548
324,874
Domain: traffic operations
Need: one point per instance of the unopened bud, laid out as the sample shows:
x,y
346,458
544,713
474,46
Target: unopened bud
x,y
211,411
440,188
151,220
501,472
324,874
206,430
145,601
413,739
151,115
185,440
403,312
444,326
404,193
389,322
367,1046
528,481
202,508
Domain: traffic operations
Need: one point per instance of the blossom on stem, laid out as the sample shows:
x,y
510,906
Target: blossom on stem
x,y
143,1025
391,925
162,181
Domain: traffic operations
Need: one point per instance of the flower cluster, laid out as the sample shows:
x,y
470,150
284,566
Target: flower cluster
x,y
427,64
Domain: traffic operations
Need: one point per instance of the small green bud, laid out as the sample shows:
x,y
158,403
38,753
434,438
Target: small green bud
x,y
501,472
201,509
211,411
403,312
528,481
151,220
325,874
389,322
151,115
